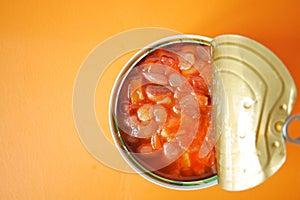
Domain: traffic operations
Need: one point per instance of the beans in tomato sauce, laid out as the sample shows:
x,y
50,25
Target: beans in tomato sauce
x,y
164,112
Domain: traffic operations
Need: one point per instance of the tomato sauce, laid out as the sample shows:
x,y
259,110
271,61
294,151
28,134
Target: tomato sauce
x,y
164,112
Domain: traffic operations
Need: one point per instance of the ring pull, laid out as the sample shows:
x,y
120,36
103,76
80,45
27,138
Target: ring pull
x,y
285,128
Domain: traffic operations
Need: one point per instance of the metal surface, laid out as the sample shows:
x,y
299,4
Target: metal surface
x,y
256,95
285,128
253,95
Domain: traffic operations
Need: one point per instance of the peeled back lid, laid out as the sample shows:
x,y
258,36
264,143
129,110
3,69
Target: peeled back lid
x,y
253,95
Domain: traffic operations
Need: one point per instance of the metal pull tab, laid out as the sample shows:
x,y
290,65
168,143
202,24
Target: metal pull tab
x,y
285,128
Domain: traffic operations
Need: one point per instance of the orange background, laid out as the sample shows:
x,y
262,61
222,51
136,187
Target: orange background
x,y
43,44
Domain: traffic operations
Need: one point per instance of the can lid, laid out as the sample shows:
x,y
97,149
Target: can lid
x,y
256,94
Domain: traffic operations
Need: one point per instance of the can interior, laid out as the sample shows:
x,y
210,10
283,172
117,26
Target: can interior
x,y
183,185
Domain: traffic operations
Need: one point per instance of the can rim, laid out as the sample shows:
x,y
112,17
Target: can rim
x,y
130,160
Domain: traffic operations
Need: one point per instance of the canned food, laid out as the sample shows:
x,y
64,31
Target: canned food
x,y
189,111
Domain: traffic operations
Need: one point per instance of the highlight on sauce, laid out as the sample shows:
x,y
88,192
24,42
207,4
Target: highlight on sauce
x,y
163,112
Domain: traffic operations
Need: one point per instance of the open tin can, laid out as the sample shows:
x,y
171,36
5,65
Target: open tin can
x,y
188,112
